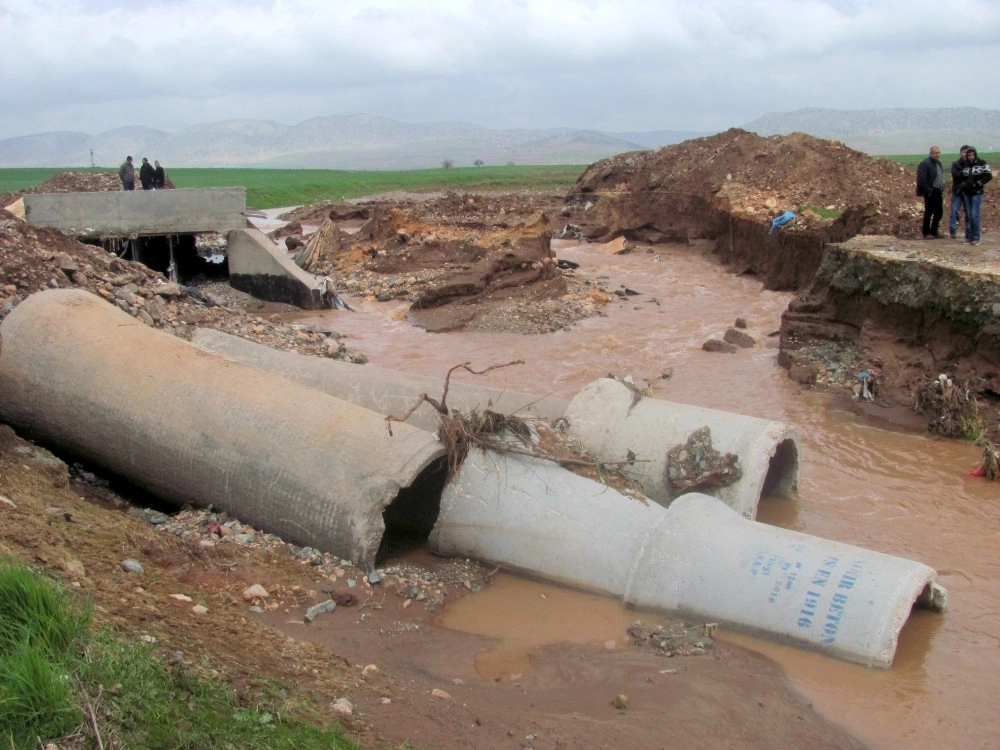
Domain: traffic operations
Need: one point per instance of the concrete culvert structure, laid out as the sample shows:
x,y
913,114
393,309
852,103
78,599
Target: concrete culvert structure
x,y
191,426
611,420
605,418
388,392
697,559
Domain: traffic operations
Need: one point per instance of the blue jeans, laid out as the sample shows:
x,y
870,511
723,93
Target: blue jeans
x,y
956,204
973,204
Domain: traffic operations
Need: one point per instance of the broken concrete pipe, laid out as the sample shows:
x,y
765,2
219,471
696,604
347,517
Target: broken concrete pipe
x,y
679,448
697,559
388,392
194,427
607,418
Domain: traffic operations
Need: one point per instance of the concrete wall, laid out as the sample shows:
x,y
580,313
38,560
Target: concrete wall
x,y
139,212
257,267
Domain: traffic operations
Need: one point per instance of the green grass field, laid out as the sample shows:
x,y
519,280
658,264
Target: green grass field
x,y
912,160
273,188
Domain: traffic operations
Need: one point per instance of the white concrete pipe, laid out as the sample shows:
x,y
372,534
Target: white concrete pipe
x,y
387,392
608,419
697,559
194,427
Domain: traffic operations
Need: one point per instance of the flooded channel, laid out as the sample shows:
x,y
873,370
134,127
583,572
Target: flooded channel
x,y
902,494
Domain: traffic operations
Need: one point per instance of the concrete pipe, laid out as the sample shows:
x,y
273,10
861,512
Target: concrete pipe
x,y
194,427
379,389
609,419
697,559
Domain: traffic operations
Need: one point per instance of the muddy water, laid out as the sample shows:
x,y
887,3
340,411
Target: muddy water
x,y
901,494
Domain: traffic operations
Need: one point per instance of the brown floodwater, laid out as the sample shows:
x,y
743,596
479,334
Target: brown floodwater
x,y
897,493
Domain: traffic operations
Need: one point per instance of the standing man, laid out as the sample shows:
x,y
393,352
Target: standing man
x,y
956,193
159,177
930,183
126,173
146,174
975,174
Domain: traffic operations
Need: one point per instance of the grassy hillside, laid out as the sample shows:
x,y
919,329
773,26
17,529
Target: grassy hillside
x,y
273,188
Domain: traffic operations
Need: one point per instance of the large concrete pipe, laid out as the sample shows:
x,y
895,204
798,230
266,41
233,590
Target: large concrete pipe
x,y
696,559
194,427
611,420
381,390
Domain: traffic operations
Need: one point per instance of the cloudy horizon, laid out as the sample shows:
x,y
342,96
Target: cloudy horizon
x,y
611,65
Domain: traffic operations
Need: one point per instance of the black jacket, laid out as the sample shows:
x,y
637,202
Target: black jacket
x,y
926,174
146,175
975,174
956,175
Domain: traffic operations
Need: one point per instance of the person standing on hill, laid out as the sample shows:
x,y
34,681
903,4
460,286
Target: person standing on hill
x,y
975,174
956,193
159,177
930,183
146,174
126,173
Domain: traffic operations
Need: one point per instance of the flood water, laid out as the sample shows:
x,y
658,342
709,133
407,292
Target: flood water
x,y
901,494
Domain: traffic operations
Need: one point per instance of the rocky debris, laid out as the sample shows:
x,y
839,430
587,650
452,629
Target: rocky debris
x,y
33,259
696,465
676,639
716,345
461,261
739,338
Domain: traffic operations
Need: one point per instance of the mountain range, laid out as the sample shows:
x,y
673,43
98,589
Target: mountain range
x,y
372,142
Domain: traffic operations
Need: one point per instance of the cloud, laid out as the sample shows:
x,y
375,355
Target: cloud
x,y
92,65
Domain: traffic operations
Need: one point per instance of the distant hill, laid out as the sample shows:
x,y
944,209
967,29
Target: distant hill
x,y
890,131
347,142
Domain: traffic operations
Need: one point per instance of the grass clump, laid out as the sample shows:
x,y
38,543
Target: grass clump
x,y
60,681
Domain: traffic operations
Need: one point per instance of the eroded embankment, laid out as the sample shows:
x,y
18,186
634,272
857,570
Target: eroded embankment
x,y
913,309
917,317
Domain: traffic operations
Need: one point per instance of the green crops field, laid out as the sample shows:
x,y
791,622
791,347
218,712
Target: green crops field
x,y
274,188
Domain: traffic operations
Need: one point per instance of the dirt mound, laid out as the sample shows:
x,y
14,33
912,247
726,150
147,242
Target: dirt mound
x,y
759,177
482,262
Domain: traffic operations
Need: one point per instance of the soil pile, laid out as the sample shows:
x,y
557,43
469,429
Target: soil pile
x,y
758,177
481,262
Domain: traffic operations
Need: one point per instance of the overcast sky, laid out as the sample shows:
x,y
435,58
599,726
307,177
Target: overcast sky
x,y
612,65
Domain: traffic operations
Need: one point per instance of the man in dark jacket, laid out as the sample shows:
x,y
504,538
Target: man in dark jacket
x,y
146,174
956,193
930,183
975,173
159,177
126,173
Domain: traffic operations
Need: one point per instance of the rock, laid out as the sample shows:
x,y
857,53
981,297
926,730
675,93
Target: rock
x,y
199,609
620,702
317,609
439,693
7,502
369,670
255,592
803,371
168,289
342,706
131,566
715,345
739,338
740,323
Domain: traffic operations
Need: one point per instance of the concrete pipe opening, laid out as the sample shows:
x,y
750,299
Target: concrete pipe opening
x,y
191,426
680,448
696,559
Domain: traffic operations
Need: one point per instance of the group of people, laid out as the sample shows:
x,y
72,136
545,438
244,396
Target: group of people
x,y
969,174
150,177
